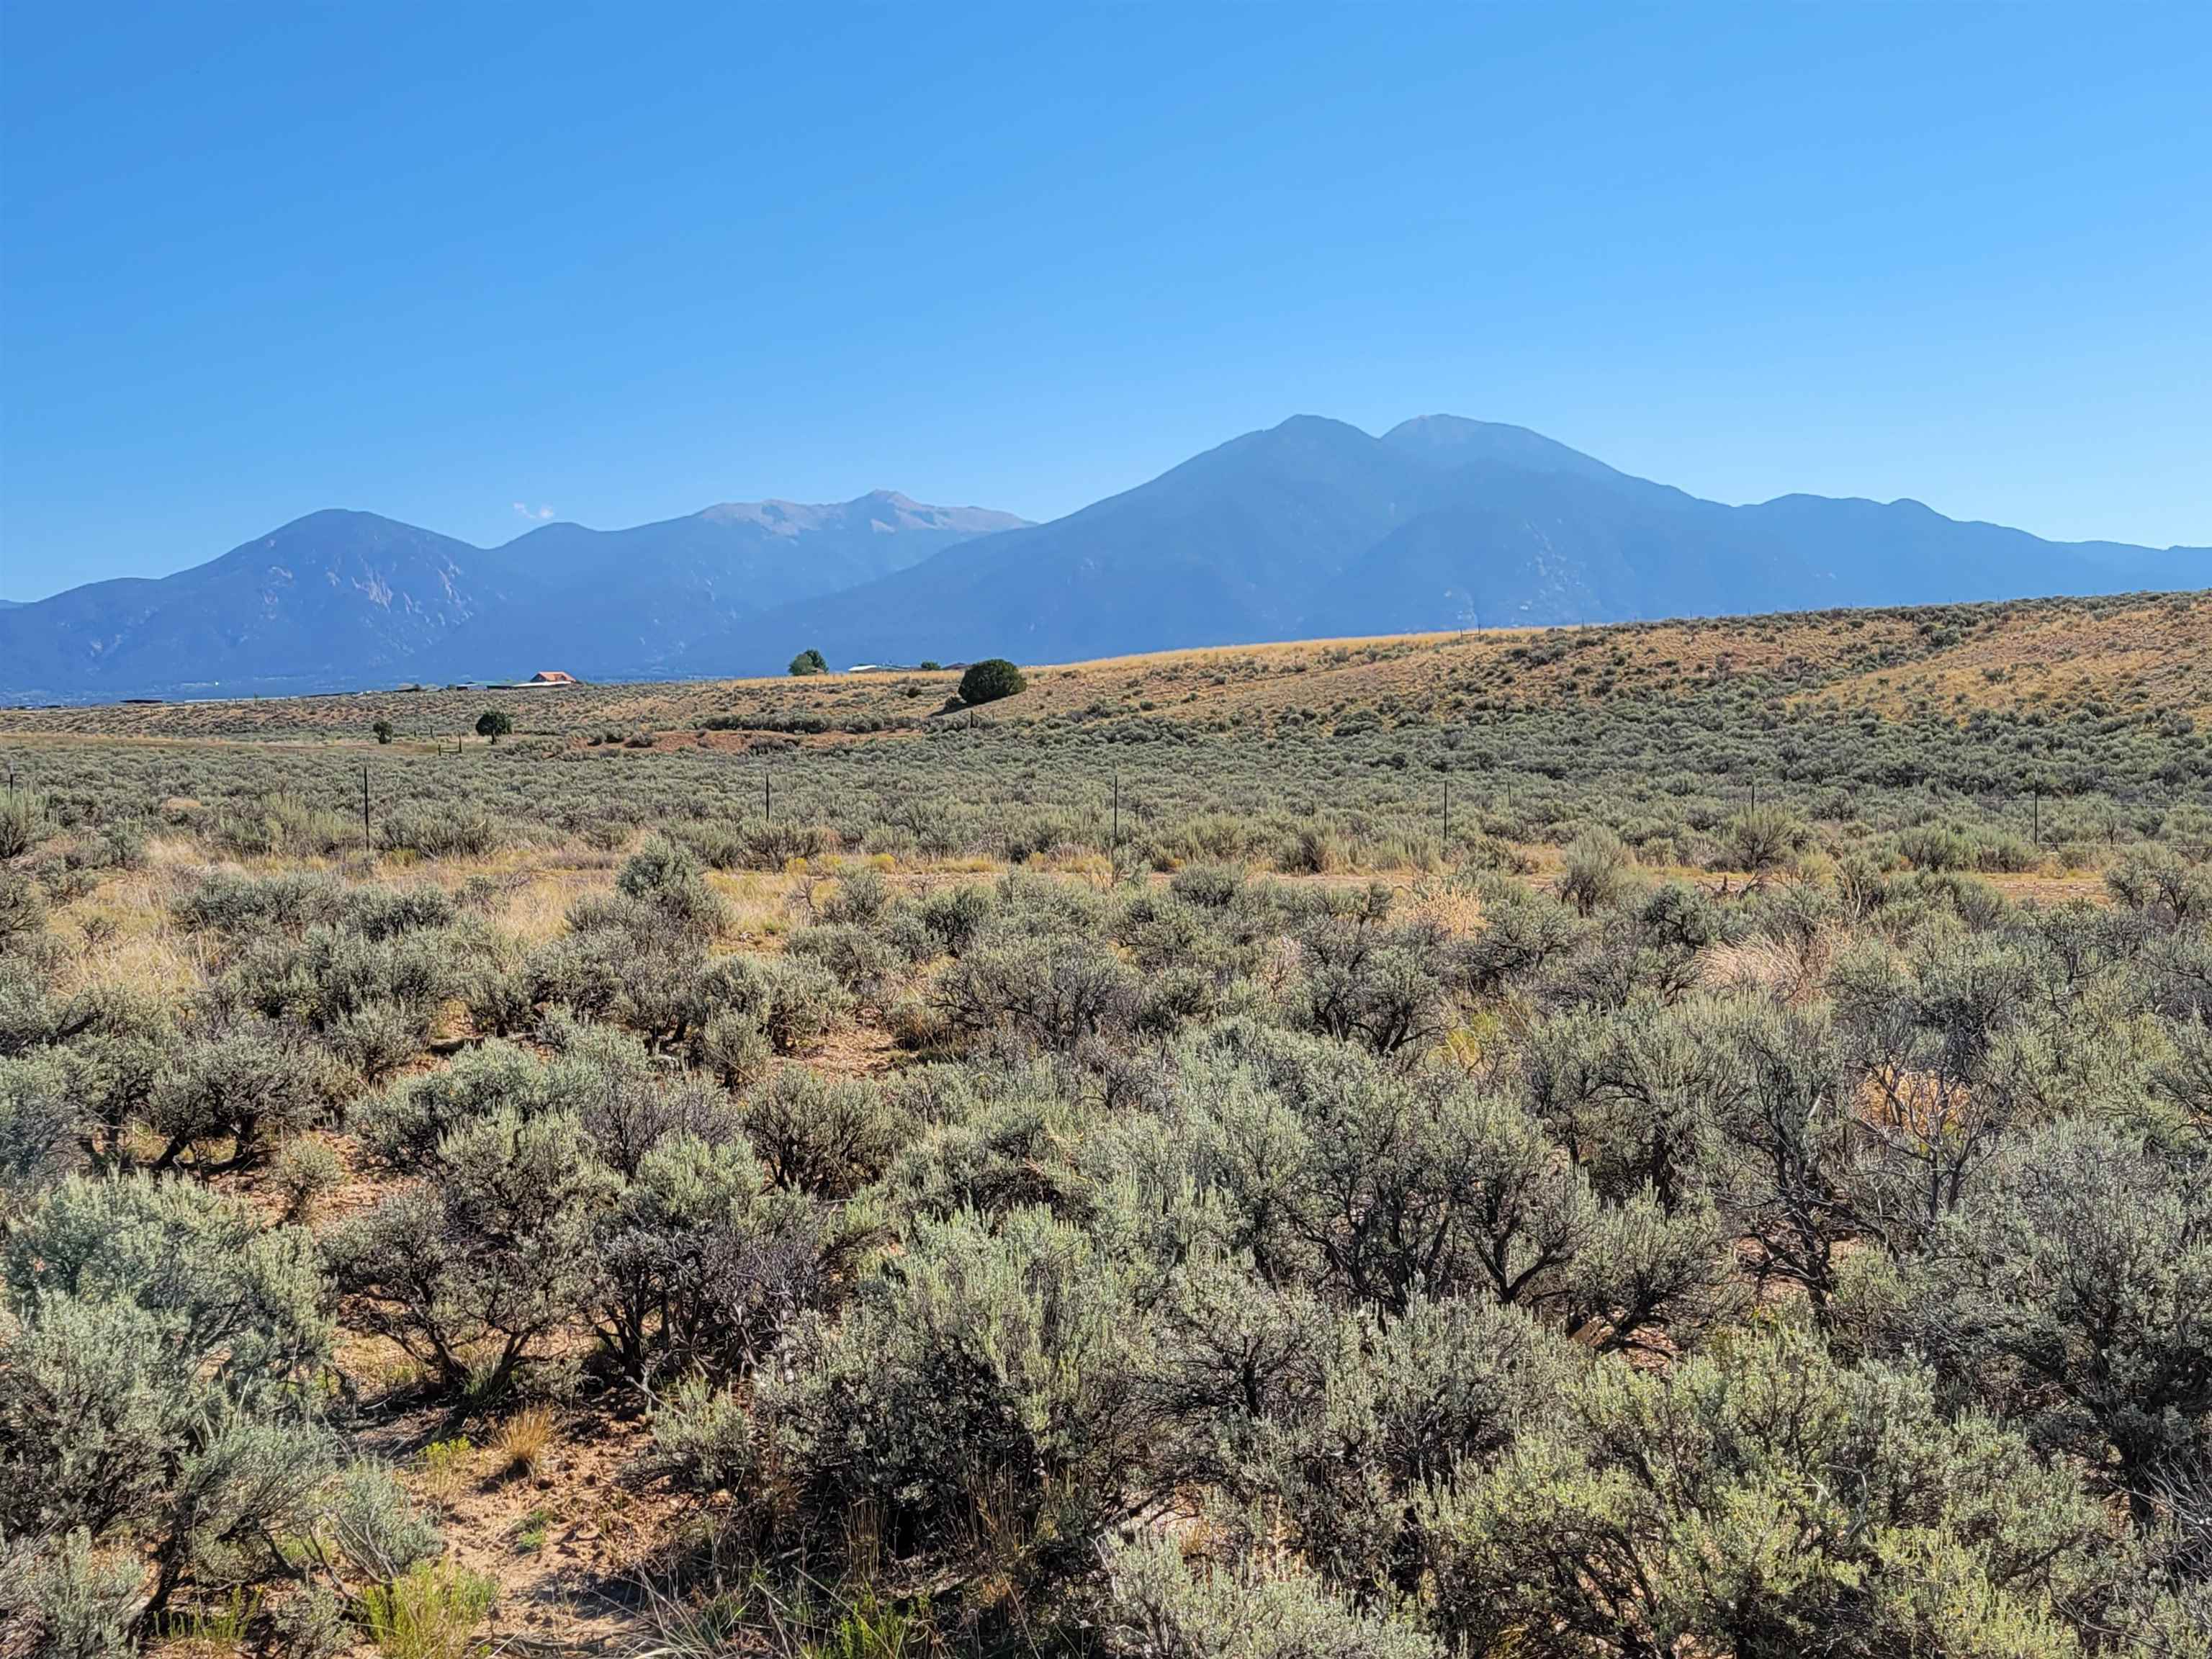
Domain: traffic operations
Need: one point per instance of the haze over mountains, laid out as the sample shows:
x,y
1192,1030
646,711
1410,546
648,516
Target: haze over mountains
x,y
1310,528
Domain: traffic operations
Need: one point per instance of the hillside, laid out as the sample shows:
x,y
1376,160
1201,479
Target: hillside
x,y
2139,655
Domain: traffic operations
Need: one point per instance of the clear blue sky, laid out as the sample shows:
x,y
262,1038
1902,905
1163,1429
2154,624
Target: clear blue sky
x,y
616,264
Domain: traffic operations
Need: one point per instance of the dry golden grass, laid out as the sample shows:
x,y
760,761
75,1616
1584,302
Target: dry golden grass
x,y
122,938
524,1443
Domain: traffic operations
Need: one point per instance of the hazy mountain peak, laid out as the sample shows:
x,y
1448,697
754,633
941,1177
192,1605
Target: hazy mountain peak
x,y
1455,441
782,518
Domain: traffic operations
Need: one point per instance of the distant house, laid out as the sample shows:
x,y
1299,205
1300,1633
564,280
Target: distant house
x,y
553,677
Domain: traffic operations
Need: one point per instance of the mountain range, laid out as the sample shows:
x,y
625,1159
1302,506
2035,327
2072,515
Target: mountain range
x,y
1311,528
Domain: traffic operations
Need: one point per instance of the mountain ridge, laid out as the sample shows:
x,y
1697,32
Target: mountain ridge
x,y
1312,528
1440,523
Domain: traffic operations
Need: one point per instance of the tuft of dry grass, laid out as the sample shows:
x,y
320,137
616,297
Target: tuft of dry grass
x,y
524,1443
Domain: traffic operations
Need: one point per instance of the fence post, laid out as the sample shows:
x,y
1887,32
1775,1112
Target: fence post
x,y
364,812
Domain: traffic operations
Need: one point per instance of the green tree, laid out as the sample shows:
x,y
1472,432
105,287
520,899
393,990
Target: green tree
x,y
991,679
383,730
495,723
809,661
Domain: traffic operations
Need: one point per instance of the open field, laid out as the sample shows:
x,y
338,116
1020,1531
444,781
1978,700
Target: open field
x,y
1681,1139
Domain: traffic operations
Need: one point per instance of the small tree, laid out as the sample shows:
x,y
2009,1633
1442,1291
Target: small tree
x,y
931,665
991,679
495,723
810,661
383,730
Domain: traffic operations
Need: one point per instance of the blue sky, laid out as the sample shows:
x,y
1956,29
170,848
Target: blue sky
x,y
458,264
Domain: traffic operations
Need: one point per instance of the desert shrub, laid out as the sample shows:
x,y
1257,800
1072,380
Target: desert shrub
x,y
861,898
1214,886
152,1390
1597,871
331,977
1158,1608
1941,847
954,918
702,1263
795,1003
307,1171
705,1438
22,908
669,877
1004,1156
862,962
1923,1033
992,678
735,1050
243,1304
39,1129
1762,840
1000,1369
1522,933
111,846
23,823
1910,1531
377,1038
235,902
66,1598
368,1526
2071,1288
1377,986
312,1625
472,1271
403,1125
442,831
1312,849
2162,885
824,1136
285,825
1055,991
1354,1417
237,1088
